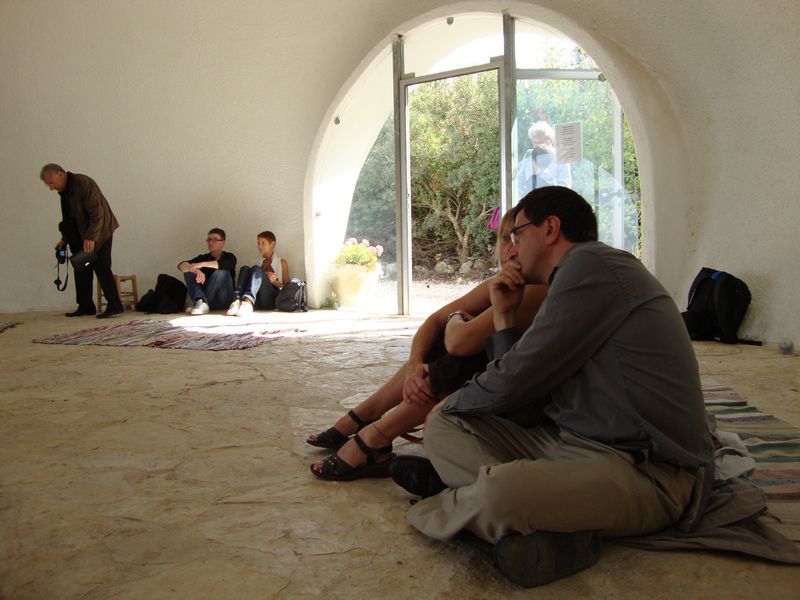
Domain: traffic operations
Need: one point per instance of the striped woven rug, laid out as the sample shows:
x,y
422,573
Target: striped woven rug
x,y
162,334
774,445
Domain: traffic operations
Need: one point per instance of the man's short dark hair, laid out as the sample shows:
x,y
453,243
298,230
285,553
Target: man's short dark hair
x,y
219,232
578,221
267,235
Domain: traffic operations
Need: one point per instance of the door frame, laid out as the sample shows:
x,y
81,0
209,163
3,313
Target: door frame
x,y
403,164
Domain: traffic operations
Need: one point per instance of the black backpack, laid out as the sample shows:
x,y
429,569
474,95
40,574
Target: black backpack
x,y
717,304
292,297
168,297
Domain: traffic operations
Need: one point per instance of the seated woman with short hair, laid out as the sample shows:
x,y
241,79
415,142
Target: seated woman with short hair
x,y
258,285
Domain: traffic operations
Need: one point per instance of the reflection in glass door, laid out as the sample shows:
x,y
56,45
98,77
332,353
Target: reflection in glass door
x,y
594,167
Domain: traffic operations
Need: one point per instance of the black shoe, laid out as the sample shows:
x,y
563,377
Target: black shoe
x,y
416,476
81,313
544,556
109,313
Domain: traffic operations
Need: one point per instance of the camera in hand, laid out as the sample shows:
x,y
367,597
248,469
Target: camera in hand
x,y
61,257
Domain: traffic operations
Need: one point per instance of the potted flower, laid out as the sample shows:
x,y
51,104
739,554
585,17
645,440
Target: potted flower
x,y
354,253
355,271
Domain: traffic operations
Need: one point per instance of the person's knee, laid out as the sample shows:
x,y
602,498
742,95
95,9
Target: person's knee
x,y
438,422
254,273
437,431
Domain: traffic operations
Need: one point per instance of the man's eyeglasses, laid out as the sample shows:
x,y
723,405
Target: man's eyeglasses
x,y
514,232
214,240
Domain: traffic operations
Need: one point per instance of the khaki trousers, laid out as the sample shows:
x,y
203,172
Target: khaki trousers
x,y
505,478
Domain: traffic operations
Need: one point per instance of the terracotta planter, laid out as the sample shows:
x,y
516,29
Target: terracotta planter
x,y
352,284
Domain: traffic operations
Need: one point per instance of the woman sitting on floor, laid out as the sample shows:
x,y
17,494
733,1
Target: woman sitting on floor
x,y
258,286
446,352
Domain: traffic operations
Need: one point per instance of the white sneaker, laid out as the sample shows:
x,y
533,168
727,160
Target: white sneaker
x,y
245,310
200,307
234,308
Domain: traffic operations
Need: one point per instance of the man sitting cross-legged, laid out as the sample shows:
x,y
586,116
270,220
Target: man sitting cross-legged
x,y
209,277
625,449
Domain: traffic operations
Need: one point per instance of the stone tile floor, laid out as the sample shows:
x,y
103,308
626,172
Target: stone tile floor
x,y
142,473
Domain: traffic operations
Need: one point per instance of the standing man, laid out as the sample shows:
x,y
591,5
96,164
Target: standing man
x,y
209,277
591,424
540,171
87,224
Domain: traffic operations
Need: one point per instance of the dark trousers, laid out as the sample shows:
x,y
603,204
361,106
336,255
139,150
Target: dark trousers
x,y
217,290
255,286
84,280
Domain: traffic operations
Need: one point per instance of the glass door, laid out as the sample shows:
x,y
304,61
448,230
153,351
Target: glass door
x,y
454,177
570,132
472,138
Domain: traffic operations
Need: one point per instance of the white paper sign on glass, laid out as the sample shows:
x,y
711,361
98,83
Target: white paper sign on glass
x,y
569,143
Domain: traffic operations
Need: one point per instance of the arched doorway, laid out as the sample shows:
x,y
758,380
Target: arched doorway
x,y
480,42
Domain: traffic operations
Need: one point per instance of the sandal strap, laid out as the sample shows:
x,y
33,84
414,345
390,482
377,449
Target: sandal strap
x,y
333,438
358,420
371,453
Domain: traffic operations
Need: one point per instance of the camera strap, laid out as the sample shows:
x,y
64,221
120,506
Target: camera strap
x,y
57,282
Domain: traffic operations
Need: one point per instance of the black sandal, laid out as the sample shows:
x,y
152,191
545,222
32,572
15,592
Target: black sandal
x,y
333,439
335,469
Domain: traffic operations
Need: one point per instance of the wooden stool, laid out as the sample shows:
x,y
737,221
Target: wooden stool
x,y
129,298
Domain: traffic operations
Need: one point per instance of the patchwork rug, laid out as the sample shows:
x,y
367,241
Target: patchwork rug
x,y
774,445
163,334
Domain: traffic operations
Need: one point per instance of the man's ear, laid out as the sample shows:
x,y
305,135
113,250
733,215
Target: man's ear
x,y
552,230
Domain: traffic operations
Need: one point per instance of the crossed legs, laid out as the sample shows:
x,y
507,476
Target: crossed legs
x,y
385,398
504,478
392,416
382,433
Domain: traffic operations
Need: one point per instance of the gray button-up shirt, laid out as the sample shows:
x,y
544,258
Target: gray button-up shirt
x,y
609,355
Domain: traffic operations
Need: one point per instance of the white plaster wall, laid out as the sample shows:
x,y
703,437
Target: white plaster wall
x,y
189,115
732,73
195,114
